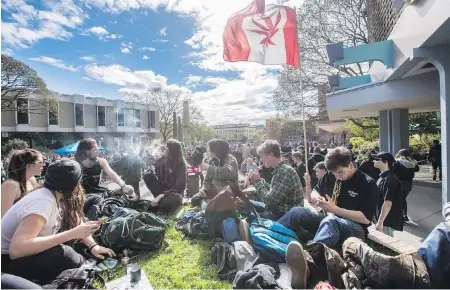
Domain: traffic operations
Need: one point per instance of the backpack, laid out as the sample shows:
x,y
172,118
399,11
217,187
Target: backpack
x,y
78,278
193,225
135,231
230,231
271,238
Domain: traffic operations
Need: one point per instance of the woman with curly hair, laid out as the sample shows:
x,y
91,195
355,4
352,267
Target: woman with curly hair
x,y
35,229
23,167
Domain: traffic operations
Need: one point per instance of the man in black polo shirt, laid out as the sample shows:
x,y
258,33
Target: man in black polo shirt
x,y
346,199
389,213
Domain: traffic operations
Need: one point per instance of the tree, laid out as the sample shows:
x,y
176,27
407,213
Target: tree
x,y
167,102
19,81
367,128
424,123
321,22
13,144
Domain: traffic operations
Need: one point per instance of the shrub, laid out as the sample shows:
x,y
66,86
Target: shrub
x,y
357,142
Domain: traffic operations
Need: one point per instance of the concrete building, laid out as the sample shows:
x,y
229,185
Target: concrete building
x,y
235,132
97,118
288,132
410,73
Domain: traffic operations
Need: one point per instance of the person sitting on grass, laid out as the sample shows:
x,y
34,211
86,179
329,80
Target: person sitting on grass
x,y
33,232
300,167
221,170
285,191
92,166
23,167
170,179
247,167
346,199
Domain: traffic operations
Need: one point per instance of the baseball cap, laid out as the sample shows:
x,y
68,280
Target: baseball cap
x,y
384,156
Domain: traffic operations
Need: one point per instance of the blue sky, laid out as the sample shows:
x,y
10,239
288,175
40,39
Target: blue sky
x,y
111,47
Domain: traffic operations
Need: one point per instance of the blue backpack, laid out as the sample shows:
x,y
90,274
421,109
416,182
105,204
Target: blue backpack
x,y
230,231
271,238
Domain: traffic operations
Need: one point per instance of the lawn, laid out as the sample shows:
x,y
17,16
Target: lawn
x,y
184,264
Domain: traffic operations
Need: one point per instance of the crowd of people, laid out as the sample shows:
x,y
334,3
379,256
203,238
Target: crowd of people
x,y
41,221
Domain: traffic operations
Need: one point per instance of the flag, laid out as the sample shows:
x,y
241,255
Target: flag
x,y
264,34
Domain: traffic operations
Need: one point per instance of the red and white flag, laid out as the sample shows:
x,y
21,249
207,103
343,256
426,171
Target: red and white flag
x,y
264,34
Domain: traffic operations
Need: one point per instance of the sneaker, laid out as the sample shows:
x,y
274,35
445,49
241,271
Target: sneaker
x,y
295,258
244,232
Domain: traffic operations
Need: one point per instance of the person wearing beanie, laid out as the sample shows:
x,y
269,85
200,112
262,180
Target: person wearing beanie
x,y
35,229
92,166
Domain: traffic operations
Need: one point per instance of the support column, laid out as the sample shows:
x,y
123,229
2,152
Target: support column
x,y
439,56
384,130
394,130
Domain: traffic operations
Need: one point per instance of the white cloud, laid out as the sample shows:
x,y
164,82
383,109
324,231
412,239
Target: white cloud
x,y
88,58
147,48
29,25
128,80
8,51
54,62
126,47
87,79
160,40
125,50
163,31
98,30
145,57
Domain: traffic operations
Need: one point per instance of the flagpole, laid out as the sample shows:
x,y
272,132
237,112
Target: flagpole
x,y
301,92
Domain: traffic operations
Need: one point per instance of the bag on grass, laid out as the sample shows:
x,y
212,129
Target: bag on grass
x,y
78,278
271,239
193,225
136,231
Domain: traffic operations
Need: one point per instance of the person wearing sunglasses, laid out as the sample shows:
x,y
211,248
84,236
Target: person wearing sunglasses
x,y
23,167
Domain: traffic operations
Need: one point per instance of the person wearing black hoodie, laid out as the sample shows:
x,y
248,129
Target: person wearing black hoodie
x,y
404,168
316,158
368,167
434,156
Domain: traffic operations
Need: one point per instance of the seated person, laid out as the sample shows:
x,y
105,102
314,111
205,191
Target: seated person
x,y
170,179
92,166
23,167
346,199
312,161
285,191
300,167
248,166
220,172
34,234
405,270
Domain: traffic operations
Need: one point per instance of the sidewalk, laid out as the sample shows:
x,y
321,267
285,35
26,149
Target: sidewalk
x,y
425,212
425,177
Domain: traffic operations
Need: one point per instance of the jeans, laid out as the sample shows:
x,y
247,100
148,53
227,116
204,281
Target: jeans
x,y
435,252
329,230
16,282
406,189
169,203
435,167
45,266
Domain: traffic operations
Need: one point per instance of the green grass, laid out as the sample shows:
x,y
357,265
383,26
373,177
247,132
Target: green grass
x,y
183,264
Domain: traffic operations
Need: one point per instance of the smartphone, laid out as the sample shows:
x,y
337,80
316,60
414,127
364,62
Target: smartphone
x,y
103,220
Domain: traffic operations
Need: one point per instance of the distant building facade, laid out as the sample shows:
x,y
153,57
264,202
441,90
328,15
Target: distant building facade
x,y
114,122
236,132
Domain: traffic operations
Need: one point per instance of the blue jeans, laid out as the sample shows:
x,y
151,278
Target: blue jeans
x,y
435,252
329,230
16,282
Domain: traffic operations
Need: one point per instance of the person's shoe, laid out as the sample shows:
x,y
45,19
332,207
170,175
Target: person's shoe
x,y
406,219
244,232
295,258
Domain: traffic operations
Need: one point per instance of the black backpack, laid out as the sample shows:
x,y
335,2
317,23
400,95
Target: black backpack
x,y
78,278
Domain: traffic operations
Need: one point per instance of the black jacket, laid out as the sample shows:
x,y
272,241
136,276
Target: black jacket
x,y
405,170
368,168
434,156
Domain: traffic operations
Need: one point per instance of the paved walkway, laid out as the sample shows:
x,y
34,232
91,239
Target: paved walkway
x,y
425,177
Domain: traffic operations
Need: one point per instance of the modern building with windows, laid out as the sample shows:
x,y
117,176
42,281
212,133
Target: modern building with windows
x,y
236,132
409,72
98,118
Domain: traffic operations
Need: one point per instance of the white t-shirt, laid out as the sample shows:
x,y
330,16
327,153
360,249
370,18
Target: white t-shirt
x,y
41,202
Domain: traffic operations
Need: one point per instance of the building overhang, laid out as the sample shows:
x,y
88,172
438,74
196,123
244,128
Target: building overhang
x,y
333,127
418,93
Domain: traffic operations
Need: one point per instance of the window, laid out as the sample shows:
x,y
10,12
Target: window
x,y
53,115
22,111
121,117
137,118
79,115
101,116
151,119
